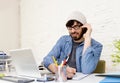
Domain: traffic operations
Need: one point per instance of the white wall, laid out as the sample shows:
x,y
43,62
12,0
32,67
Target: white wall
x,y
43,22
9,25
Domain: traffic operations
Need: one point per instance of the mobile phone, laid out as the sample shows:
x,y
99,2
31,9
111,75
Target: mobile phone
x,y
84,30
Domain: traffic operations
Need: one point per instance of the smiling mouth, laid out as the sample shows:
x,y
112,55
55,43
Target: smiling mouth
x,y
74,34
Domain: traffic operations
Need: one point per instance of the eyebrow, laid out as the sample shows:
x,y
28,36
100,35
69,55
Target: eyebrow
x,y
76,25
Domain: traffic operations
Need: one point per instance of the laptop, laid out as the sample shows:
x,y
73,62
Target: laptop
x,y
24,62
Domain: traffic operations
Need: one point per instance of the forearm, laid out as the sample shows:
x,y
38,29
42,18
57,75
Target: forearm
x,y
87,37
87,43
52,67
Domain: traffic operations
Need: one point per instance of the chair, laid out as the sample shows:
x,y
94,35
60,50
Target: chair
x,y
100,67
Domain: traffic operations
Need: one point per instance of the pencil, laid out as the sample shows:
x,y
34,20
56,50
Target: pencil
x,y
55,61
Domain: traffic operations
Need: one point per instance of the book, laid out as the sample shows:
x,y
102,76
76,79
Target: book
x,y
110,80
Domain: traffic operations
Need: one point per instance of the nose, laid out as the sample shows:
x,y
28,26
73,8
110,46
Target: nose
x,y
73,30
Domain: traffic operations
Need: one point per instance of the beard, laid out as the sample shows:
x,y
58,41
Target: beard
x,y
76,36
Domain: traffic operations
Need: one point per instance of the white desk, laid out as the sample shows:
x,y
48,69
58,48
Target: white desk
x,y
89,79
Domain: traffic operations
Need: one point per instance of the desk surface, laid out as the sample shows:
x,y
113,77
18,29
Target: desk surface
x,y
89,79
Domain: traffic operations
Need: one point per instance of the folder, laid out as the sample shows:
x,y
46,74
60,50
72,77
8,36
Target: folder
x,y
110,80
117,74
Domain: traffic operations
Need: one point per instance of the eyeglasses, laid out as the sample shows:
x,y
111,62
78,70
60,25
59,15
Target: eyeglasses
x,y
76,27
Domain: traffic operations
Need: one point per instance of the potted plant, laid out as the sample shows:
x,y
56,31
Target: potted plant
x,y
116,55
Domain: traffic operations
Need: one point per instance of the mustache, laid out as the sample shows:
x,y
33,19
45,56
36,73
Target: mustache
x,y
73,33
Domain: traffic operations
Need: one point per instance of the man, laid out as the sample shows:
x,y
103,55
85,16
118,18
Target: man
x,y
78,47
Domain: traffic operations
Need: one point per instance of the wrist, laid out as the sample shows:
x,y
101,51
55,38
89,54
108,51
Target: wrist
x,y
87,38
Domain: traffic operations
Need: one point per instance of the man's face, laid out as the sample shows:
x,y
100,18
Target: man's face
x,y
75,31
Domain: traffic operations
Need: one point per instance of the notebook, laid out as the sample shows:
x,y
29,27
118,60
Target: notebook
x,y
24,62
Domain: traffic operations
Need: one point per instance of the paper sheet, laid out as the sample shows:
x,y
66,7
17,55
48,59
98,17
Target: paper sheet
x,y
79,76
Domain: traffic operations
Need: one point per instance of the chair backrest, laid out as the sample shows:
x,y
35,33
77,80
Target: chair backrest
x,y
100,67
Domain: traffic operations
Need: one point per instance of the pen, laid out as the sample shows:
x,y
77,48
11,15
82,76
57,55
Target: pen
x,y
54,60
64,61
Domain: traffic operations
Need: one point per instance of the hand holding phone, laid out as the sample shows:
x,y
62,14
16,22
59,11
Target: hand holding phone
x,y
86,30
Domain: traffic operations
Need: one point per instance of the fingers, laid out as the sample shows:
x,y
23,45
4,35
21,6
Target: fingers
x,y
70,72
86,25
70,75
